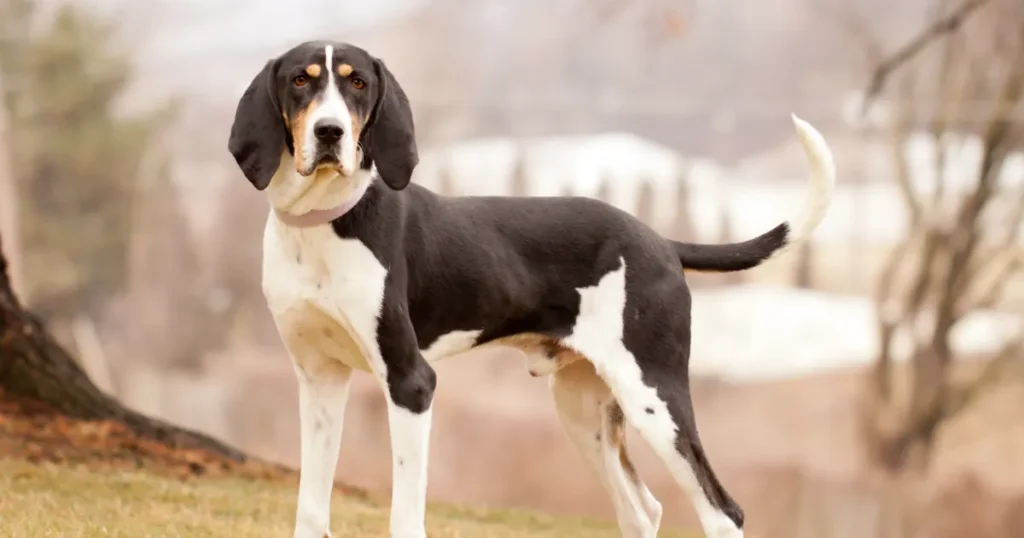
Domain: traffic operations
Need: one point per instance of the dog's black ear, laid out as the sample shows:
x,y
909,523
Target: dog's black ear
x,y
390,136
258,134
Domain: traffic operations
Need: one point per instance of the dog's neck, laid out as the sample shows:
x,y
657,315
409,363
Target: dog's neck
x,y
318,217
304,202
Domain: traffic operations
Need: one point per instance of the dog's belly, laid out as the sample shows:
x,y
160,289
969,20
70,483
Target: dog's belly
x,y
543,355
325,294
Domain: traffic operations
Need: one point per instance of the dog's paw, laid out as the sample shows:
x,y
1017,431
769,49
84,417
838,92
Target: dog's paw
x,y
305,528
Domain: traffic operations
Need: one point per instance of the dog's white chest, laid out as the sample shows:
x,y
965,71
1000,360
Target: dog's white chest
x,y
324,292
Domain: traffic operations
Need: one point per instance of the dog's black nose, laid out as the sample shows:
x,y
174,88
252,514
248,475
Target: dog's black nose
x,y
328,130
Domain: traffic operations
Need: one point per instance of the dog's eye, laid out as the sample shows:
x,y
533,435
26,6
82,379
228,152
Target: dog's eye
x,y
300,80
358,83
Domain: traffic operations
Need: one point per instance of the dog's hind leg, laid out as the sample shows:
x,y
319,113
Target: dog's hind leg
x,y
594,422
639,345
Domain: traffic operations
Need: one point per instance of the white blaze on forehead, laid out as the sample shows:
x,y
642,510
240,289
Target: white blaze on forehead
x,y
332,106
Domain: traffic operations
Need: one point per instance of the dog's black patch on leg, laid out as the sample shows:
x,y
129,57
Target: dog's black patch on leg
x,y
662,353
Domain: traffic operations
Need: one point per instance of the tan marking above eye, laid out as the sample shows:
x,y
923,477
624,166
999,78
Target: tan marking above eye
x,y
344,70
313,70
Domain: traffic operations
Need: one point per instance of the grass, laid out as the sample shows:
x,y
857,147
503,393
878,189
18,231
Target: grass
x,y
48,500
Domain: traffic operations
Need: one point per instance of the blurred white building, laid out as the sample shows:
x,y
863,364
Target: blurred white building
x,y
621,163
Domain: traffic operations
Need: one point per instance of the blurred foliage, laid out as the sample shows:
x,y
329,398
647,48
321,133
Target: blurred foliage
x,y
75,159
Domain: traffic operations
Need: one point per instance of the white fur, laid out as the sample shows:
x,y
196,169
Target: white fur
x,y
323,393
822,181
410,443
597,335
294,193
449,344
325,294
332,106
583,401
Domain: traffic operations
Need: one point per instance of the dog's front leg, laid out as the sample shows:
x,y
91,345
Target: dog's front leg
x,y
323,393
408,382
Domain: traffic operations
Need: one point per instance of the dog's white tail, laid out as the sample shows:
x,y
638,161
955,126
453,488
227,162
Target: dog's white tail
x,y
779,240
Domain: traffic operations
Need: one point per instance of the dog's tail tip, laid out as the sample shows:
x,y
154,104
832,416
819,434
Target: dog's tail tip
x,y
782,238
822,179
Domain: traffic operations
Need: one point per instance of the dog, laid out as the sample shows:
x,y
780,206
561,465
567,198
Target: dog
x,y
364,271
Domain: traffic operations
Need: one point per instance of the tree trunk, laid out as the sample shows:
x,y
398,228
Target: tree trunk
x,y
803,273
34,366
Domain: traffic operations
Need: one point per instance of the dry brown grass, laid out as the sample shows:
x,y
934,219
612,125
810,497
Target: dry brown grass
x,y
76,501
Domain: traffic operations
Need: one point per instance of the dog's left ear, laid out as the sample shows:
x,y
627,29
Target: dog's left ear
x,y
258,135
390,136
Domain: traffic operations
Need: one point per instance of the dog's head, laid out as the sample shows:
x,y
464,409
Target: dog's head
x,y
324,109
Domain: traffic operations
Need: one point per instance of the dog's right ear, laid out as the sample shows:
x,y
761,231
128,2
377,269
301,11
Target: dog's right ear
x,y
258,135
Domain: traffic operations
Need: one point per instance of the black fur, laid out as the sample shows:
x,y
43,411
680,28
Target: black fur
x,y
258,132
507,265
261,131
500,265
390,139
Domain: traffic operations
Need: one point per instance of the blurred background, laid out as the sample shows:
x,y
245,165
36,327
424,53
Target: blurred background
x,y
872,384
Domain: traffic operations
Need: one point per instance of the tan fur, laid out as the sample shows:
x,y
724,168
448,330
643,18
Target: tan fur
x,y
597,425
617,425
307,327
344,70
298,129
357,127
544,355
313,70
702,271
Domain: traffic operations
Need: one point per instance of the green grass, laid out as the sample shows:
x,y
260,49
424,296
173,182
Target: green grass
x,y
45,500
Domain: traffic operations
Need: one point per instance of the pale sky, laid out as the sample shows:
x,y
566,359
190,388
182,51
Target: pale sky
x,y
202,47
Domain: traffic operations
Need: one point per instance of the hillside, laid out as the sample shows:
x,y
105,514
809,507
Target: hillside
x,y
66,477
60,500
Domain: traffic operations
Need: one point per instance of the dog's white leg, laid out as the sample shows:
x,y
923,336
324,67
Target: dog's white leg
x,y
408,382
410,440
595,424
323,393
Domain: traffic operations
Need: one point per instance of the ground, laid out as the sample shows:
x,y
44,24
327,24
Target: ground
x,y
66,477
61,500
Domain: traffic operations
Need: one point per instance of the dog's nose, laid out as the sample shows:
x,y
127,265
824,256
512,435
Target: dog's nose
x,y
328,130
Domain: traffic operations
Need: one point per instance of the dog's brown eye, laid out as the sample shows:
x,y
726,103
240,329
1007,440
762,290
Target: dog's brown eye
x,y
301,80
358,83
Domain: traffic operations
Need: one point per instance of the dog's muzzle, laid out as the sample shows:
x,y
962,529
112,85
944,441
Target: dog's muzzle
x,y
328,133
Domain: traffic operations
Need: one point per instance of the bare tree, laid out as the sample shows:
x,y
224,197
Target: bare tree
x,y
520,175
446,181
604,191
682,223
961,251
645,203
35,367
8,192
803,275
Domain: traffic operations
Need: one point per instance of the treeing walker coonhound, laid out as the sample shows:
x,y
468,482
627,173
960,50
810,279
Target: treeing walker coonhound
x,y
363,271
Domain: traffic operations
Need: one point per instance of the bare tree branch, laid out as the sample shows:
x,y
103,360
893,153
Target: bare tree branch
x,y
986,296
900,134
933,32
854,24
994,371
9,214
966,234
892,312
1016,219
